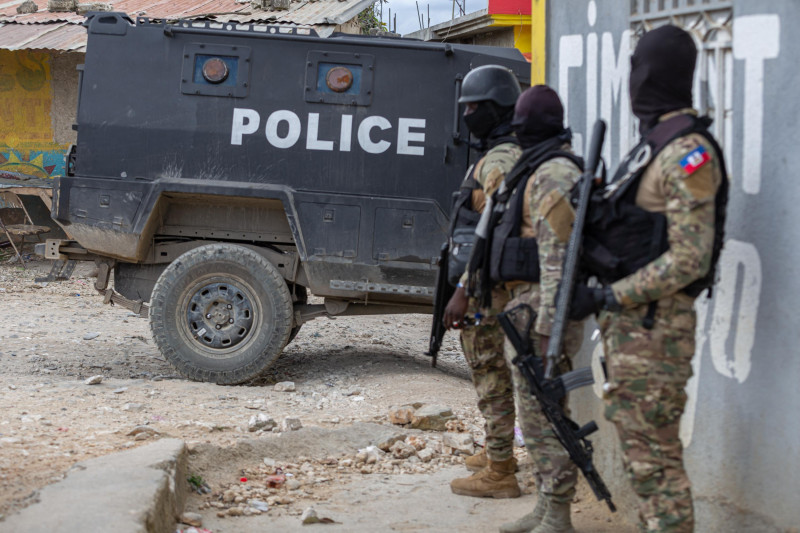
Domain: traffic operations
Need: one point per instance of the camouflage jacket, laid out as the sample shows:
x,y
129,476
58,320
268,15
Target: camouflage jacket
x,y
548,218
685,194
490,171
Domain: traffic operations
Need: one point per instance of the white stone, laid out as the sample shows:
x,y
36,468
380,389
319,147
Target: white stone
x,y
459,441
425,455
261,421
291,424
284,386
94,380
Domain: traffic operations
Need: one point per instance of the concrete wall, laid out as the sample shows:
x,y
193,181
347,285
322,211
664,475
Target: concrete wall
x,y
64,67
741,428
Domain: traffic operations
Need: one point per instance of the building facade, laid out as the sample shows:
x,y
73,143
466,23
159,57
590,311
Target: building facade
x,y
740,429
505,23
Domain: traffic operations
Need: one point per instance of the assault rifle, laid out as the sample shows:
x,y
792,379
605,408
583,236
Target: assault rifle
x,y
569,272
550,393
443,293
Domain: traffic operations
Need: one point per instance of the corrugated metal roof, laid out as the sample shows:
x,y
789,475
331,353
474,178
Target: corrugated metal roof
x,y
62,31
56,36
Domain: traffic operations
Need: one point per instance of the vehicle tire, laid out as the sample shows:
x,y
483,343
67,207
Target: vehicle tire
x,y
221,313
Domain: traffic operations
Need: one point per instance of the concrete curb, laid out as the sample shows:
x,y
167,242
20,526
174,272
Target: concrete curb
x,y
136,491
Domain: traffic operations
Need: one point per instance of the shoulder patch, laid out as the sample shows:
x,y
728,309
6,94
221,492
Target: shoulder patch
x,y
556,209
695,159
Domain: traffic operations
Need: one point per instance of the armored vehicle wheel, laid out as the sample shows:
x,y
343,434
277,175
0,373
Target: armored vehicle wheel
x,y
221,313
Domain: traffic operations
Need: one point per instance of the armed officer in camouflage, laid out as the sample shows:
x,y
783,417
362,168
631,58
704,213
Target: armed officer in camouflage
x,y
524,250
489,93
653,237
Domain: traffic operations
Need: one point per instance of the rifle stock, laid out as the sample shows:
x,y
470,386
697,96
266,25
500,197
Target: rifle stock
x,y
549,394
570,269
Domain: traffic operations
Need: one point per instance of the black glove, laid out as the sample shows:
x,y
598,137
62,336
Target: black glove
x,y
586,301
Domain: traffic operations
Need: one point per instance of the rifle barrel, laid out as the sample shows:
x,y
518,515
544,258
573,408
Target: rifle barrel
x,y
570,269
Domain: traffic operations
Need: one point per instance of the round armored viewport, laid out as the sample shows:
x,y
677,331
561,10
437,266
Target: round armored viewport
x,y
215,70
339,79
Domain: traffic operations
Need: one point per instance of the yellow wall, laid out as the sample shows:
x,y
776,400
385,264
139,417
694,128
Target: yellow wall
x,y
26,127
522,31
538,34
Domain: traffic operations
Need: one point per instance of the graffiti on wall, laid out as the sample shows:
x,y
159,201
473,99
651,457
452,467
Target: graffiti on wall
x,y
26,97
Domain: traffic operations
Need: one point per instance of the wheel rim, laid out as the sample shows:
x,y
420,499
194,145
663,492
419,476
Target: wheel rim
x,y
220,316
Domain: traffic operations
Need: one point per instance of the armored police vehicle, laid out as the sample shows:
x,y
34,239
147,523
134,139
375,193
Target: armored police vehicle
x,y
223,172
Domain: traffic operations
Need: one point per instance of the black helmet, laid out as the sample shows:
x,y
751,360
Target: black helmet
x,y
490,82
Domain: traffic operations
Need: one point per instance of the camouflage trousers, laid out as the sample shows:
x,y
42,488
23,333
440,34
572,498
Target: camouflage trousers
x,y
556,474
648,370
483,349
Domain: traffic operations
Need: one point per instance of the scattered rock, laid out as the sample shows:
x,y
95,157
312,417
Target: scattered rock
x,y
261,421
259,505
29,6
309,516
352,392
12,387
369,455
55,6
293,484
387,442
134,407
401,415
92,335
284,386
192,519
94,380
425,455
416,441
82,9
291,424
120,390
459,441
270,463
142,430
432,417
401,450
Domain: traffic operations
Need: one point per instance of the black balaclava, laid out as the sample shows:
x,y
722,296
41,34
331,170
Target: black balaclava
x,y
487,117
662,72
538,115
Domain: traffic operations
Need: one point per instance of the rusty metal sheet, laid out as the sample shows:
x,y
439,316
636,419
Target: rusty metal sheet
x,y
55,36
63,31
301,13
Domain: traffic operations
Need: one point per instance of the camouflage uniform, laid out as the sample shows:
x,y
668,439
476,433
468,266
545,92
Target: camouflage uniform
x,y
483,344
648,369
548,218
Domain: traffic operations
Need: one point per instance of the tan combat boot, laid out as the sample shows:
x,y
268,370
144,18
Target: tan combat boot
x,y
529,521
495,481
479,461
556,519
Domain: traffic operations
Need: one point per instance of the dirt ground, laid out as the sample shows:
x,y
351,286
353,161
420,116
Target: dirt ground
x,y
346,371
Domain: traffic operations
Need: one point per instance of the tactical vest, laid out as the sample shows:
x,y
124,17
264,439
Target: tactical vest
x,y
515,258
464,220
621,237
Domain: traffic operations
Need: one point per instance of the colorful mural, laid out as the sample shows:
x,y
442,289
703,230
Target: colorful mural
x,y
26,95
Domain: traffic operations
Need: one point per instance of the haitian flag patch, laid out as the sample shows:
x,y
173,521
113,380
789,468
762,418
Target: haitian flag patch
x,y
695,159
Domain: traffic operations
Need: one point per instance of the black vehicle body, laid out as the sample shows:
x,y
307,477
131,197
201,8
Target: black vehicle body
x,y
346,192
